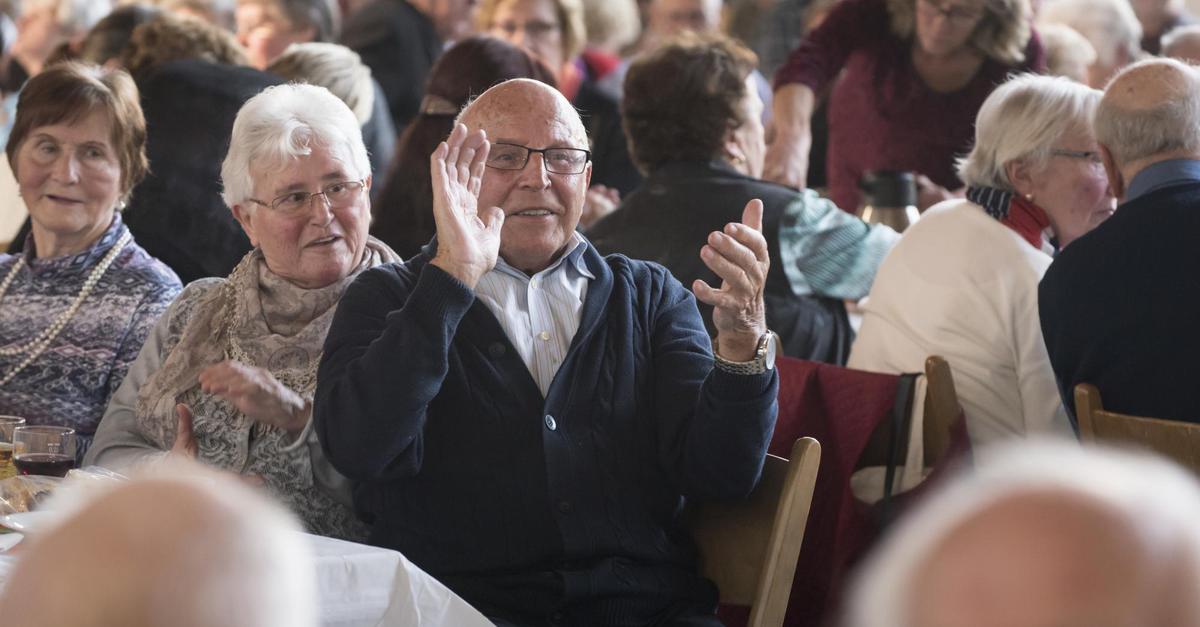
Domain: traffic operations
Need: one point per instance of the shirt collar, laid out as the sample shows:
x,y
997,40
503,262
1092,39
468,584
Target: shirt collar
x,y
572,258
1163,174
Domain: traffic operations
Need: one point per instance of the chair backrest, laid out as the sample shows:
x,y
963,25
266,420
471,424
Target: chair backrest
x,y
749,548
1175,440
942,409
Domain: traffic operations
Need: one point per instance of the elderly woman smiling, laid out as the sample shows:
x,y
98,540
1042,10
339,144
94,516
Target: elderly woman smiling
x,y
77,303
962,282
228,373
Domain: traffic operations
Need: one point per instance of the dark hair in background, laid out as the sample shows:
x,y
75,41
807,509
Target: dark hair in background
x,y
682,98
66,93
403,213
109,37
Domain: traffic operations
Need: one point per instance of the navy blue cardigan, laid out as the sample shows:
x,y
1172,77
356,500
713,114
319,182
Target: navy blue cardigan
x,y
573,500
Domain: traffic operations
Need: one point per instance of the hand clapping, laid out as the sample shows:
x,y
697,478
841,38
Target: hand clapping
x,y
739,256
468,236
256,393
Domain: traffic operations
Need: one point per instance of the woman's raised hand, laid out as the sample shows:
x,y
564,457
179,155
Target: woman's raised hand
x,y
468,236
256,393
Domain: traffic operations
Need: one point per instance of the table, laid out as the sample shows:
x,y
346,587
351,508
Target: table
x,y
362,585
366,586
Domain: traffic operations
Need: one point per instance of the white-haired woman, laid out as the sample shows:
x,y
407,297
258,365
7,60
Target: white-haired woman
x,y
228,373
962,282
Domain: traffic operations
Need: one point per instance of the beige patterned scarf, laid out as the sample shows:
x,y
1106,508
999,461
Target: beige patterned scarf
x,y
257,317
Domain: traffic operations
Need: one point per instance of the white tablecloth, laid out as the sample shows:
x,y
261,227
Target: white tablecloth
x,y
366,586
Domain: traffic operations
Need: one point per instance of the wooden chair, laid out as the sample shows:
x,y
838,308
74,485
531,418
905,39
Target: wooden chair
x,y
749,548
1175,440
941,412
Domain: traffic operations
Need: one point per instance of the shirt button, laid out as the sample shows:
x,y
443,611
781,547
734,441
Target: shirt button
x,y
545,335
550,423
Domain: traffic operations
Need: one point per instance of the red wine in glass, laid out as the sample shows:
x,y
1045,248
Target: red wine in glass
x,y
49,464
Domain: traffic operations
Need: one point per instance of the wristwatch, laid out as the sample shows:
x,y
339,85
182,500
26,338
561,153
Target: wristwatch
x,y
764,357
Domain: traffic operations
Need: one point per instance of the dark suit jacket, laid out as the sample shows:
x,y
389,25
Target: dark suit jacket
x,y
1120,307
668,219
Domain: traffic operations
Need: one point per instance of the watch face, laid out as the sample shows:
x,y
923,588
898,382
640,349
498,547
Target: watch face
x,y
772,349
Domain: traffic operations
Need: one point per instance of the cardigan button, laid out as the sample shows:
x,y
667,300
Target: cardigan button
x,y
550,423
564,507
496,350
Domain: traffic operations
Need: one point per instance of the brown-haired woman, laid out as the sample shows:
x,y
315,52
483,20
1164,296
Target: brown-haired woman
x,y
78,301
693,119
404,210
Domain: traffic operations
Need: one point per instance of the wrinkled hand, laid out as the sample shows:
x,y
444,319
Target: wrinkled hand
x,y
599,202
468,236
257,393
786,161
738,255
185,439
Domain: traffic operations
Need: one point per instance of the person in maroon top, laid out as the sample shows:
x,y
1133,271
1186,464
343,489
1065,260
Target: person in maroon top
x,y
914,73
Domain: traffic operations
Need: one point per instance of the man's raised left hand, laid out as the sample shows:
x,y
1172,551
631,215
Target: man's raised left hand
x,y
737,254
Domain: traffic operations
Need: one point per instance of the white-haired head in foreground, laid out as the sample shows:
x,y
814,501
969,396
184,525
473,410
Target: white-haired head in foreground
x,y
283,123
186,548
1042,534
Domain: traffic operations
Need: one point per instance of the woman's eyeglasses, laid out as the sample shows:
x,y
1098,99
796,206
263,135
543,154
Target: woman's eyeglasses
x,y
1089,155
338,195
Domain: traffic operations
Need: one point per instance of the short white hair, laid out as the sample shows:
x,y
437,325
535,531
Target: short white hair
x,y
283,123
334,67
1109,25
73,16
1022,120
1158,500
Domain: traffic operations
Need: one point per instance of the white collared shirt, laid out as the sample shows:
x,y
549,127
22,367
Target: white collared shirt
x,y
540,314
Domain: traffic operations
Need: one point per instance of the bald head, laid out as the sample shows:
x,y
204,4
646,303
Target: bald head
x,y
193,550
1042,534
1046,559
1150,112
534,103
538,169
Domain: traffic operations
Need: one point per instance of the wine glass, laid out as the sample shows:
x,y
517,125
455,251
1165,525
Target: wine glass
x,y
7,424
44,450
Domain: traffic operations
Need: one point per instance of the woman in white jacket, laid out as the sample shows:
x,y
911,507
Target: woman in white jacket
x,y
962,282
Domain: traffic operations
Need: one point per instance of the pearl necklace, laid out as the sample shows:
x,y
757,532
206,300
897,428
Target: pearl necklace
x,y
36,346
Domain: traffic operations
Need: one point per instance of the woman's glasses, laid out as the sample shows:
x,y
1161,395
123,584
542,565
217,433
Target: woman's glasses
x,y
338,195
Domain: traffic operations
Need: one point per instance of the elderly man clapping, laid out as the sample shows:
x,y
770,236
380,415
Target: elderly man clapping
x,y
525,416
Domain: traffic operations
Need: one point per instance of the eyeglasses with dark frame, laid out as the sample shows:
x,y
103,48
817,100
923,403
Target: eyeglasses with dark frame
x,y
556,160
1090,155
338,195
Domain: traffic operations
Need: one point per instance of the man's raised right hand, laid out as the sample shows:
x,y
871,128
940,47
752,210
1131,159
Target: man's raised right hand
x,y
468,235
